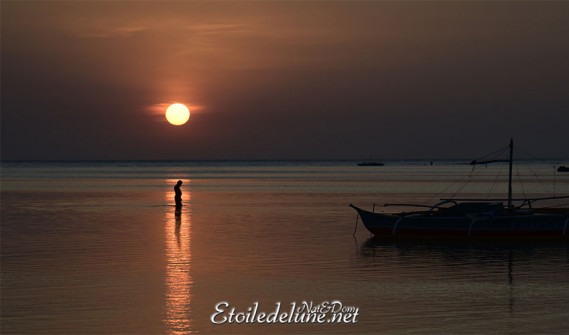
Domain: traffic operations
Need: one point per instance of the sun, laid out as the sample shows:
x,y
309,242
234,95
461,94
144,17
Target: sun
x,y
177,114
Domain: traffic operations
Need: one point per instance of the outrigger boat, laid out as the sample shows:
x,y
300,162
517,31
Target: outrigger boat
x,y
475,218
370,164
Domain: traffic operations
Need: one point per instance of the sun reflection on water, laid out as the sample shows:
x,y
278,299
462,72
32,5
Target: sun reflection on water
x,y
178,265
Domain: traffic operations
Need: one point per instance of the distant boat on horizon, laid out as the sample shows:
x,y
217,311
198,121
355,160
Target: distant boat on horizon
x,y
563,169
370,163
474,218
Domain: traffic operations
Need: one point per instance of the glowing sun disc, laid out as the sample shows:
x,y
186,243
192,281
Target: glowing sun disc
x,y
177,114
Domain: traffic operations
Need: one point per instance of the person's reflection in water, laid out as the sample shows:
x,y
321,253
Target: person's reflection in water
x,y
178,280
178,195
178,215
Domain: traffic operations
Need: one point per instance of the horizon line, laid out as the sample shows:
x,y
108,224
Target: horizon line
x,y
467,160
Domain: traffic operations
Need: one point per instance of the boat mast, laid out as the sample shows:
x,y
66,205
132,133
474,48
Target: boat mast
x,y
510,174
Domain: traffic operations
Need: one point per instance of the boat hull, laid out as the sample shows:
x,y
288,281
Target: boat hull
x,y
370,164
537,226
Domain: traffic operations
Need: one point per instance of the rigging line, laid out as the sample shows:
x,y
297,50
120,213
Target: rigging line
x,y
520,181
466,183
495,181
537,178
437,195
499,151
543,184
559,205
518,148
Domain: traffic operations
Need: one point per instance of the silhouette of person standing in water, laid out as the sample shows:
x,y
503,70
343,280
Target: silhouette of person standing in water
x,y
178,196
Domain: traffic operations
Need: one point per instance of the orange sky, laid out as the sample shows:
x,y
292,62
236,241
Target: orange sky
x,y
277,80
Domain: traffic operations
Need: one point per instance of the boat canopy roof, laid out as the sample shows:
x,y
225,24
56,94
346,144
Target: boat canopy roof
x,y
473,208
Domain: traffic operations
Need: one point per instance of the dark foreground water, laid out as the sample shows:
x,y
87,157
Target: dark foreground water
x,y
98,248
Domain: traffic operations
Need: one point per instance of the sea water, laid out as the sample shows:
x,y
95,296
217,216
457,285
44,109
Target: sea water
x,y
99,248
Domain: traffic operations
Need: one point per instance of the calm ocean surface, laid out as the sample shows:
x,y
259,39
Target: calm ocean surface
x,y
98,248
